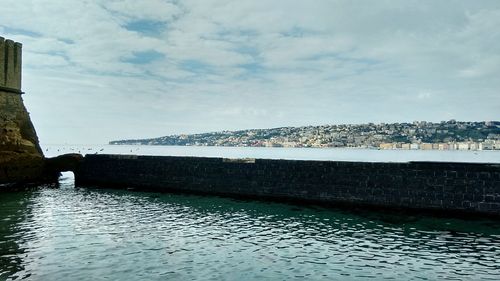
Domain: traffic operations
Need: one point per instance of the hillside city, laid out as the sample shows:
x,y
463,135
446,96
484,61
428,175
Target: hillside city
x,y
445,135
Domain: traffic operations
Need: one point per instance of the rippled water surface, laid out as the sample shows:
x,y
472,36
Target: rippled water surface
x,y
86,234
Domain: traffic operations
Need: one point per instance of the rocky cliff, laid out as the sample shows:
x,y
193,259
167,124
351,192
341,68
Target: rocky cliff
x,y
21,159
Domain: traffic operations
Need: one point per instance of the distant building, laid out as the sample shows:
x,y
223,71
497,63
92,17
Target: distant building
x,y
385,145
405,146
486,145
426,146
473,146
443,146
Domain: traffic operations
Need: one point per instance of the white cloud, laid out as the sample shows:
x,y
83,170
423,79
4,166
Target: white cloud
x,y
154,10
424,95
238,64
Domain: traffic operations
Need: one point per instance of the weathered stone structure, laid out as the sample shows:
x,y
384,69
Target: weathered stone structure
x,y
444,187
21,159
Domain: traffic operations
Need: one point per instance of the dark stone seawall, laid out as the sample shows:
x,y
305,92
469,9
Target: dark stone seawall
x,y
464,187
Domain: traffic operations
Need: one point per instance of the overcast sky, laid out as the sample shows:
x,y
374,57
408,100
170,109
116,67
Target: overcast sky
x,y
96,71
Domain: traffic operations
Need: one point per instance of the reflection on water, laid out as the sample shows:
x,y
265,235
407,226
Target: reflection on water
x,y
12,209
79,234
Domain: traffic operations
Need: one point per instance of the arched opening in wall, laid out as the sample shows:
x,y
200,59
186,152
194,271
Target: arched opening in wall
x,y
67,180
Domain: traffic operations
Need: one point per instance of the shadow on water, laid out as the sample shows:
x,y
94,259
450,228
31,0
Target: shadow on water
x,y
425,221
15,207
12,210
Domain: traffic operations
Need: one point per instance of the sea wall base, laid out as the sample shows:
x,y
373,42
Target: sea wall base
x,y
437,186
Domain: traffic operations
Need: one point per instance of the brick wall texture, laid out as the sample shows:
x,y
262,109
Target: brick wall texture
x,y
466,187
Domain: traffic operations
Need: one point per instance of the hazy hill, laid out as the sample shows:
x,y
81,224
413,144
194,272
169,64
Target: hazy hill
x,y
368,135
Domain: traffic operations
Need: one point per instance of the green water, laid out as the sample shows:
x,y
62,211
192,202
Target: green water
x,y
82,234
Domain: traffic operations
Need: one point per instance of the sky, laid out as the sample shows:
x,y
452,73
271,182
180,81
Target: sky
x,y
102,70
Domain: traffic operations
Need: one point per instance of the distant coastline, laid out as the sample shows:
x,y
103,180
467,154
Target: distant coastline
x,y
419,135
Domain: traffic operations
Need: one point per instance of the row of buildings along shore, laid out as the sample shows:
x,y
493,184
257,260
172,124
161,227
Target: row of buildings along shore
x,y
486,145
445,135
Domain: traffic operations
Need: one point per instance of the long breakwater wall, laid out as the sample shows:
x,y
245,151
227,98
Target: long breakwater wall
x,y
438,186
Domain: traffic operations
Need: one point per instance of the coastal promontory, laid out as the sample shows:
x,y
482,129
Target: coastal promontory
x,y
21,159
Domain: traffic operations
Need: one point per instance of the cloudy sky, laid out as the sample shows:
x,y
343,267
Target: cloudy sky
x,y
101,70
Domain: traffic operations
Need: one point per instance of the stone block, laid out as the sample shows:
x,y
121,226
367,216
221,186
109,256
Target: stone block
x,y
17,64
2,61
484,175
9,64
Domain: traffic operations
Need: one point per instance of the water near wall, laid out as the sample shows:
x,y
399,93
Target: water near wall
x,y
96,234
91,233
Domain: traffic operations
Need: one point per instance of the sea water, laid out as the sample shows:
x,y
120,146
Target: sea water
x,y
63,232
69,233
